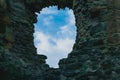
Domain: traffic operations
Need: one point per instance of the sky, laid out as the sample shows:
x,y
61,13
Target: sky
x,y
55,34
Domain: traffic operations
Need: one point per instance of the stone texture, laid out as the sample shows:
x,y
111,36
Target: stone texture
x,y
95,54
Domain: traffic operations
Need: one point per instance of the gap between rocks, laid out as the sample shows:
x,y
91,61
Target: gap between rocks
x,y
55,34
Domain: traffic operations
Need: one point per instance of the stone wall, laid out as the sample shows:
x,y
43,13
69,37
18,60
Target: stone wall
x,y
95,55
96,52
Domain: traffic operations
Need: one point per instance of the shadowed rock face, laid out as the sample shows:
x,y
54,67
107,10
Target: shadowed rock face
x,y
96,52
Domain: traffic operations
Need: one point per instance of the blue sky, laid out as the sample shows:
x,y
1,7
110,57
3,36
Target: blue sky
x,y
55,34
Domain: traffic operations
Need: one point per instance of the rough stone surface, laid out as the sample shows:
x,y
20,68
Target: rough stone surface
x,y
95,54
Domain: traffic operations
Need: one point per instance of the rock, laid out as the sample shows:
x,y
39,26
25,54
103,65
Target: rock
x,y
96,52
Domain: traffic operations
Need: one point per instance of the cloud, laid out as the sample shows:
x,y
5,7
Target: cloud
x,y
58,47
48,21
54,51
50,10
68,30
71,18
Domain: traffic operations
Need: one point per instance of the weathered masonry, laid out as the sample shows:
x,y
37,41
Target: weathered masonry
x,y
96,52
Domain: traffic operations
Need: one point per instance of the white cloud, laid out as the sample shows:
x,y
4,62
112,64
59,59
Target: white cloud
x,y
49,10
71,18
56,48
48,21
54,52
68,29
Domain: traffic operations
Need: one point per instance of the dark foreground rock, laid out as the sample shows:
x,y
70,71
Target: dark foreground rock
x,y
95,54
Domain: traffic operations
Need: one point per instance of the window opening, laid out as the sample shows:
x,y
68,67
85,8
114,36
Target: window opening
x,y
55,34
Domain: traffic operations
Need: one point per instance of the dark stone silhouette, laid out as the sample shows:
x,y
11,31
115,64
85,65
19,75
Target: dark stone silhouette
x,y
95,54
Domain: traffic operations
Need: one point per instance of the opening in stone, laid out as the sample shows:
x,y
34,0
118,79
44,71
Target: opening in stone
x,y
55,33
